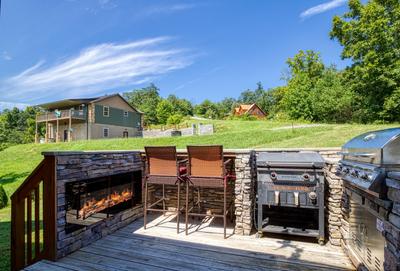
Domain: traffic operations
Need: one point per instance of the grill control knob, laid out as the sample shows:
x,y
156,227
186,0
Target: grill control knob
x,y
274,176
354,173
312,195
364,176
306,177
345,170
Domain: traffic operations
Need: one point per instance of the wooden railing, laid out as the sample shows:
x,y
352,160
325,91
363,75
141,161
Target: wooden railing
x,y
37,192
64,114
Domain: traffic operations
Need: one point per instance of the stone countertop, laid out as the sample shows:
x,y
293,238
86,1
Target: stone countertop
x,y
66,153
58,152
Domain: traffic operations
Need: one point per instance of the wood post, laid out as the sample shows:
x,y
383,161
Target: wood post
x,y
46,137
69,126
57,133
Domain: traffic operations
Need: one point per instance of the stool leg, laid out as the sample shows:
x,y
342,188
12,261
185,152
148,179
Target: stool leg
x,y
224,211
163,196
187,208
198,200
178,208
145,206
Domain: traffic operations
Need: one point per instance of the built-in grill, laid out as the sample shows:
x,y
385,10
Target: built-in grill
x,y
365,162
367,157
290,193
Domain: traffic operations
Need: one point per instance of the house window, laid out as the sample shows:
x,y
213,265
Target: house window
x,y
106,111
126,114
80,108
105,132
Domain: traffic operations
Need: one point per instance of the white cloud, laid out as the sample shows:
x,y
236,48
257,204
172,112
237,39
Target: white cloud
x,y
6,55
167,9
322,8
95,70
10,105
107,4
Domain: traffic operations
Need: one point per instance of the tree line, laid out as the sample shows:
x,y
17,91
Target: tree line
x,y
366,91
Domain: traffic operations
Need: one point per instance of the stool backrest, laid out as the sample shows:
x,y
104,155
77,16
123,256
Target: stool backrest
x,y
161,161
206,161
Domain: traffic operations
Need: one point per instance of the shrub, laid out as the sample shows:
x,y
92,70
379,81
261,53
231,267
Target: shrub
x,y
3,197
174,119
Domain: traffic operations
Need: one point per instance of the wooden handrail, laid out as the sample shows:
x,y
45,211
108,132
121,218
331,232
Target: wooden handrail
x,y
64,114
39,188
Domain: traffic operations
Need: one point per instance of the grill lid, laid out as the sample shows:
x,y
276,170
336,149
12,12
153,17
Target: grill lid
x,y
291,159
373,140
380,147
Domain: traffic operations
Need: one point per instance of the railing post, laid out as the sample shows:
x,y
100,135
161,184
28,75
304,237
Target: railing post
x,y
69,126
50,208
17,233
46,138
58,132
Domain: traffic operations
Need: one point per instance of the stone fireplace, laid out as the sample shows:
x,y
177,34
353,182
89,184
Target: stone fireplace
x,y
97,194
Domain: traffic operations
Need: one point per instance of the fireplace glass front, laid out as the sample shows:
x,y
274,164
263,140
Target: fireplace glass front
x,y
92,200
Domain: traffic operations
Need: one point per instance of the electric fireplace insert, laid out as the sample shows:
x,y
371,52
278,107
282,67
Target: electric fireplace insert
x,y
91,200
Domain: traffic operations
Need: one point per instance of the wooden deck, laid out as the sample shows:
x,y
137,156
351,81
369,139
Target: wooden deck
x,y
160,248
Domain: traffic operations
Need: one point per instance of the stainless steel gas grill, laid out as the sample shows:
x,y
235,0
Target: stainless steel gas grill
x,y
367,157
366,160
290,193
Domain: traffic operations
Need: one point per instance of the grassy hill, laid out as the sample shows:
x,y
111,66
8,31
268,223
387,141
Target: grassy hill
x,y
18,161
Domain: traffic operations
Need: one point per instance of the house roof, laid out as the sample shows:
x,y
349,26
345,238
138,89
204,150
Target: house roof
x,y
65,103
247,107
79,101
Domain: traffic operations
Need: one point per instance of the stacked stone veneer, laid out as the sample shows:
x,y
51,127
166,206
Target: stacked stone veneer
x,y
392,225
71,166
244,192
211,199
333,201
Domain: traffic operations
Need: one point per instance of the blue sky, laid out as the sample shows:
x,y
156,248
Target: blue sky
x,y
51,50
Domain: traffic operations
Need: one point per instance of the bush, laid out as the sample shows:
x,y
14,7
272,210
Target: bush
x,y
3,197
174,119
243,117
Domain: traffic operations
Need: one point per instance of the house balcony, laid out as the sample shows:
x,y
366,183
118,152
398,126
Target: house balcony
x,y
72,114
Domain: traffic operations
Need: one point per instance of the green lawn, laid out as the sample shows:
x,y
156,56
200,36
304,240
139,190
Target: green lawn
x,y
18,161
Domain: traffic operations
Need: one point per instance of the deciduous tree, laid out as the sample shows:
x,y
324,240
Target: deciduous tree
x,y
370,38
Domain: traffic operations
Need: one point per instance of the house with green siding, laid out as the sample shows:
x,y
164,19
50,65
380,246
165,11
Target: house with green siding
x,y
109,116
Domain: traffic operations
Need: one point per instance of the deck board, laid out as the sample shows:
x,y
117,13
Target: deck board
x,y
160,248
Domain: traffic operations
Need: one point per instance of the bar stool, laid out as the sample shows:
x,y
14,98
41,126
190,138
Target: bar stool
x,y
163,168
206,168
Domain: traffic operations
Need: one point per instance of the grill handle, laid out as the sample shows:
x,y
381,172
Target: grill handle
x,y
357,154
289,165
